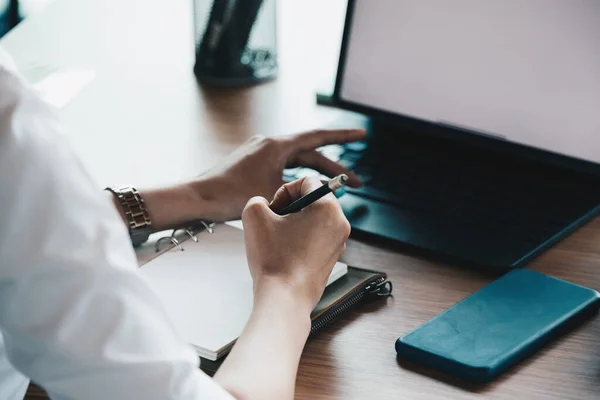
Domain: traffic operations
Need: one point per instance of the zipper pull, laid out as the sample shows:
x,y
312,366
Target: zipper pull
x,y
379,288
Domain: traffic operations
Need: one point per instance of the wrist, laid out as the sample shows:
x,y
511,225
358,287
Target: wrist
x,y
276,293
202,194
172,206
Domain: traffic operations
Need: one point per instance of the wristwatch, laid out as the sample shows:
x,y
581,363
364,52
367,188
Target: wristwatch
x,y
136,214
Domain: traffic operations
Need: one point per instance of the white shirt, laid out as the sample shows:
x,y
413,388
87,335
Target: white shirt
x,y
75,315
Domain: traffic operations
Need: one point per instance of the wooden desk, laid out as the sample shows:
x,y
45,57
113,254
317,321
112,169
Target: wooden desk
x,y
144,102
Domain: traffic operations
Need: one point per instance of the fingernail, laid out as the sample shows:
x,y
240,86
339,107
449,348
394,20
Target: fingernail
x,y
358,180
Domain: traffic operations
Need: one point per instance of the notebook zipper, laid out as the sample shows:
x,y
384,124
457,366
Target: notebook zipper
x,y
377,287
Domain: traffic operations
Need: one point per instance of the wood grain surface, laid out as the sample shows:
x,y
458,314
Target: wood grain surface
x,y
145,102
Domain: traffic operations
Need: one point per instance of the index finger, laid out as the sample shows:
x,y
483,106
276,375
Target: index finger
x,y
322,137
292,191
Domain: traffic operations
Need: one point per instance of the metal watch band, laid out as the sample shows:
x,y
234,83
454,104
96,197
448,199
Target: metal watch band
x,y
136,214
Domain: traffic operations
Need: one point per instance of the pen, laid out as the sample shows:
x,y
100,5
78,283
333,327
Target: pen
x,y
331,186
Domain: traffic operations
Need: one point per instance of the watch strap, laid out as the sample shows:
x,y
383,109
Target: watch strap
x,y
135,211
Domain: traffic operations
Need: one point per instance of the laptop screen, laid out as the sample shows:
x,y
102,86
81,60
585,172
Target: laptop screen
x,y
527,71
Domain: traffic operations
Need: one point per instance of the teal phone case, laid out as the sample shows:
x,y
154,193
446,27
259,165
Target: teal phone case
x,y
496,327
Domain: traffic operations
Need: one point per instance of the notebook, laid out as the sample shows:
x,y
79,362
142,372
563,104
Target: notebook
x,y
206,288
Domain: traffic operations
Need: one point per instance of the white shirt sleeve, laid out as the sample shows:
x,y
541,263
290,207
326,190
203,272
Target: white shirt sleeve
x,y
76,316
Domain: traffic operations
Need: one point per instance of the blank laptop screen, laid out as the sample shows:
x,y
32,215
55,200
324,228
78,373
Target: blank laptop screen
x,y
527,71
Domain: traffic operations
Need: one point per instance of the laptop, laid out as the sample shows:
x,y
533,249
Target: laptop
x,y
483,124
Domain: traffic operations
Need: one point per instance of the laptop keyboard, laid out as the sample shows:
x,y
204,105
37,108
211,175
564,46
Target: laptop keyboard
x,y
521,200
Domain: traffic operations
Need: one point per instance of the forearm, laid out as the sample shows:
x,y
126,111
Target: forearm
x,y
264,361
173,205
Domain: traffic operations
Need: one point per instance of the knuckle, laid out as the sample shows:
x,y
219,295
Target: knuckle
x,y
268,142
332,203
255,206
257,138
345,227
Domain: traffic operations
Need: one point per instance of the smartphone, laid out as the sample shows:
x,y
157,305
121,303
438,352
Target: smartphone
x,y
493,329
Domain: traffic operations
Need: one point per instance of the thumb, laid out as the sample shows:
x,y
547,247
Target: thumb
x,y
292,191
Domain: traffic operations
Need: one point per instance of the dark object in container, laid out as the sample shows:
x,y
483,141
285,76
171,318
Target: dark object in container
x,y
236,43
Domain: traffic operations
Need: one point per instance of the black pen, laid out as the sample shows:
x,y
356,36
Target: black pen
x,y
331,186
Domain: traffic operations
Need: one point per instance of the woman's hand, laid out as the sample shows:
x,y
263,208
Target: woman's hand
x,y
295,251
256,168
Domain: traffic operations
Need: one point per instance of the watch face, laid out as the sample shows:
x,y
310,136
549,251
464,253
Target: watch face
x,y
139,235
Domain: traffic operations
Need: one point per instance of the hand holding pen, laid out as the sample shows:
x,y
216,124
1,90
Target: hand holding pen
x,y
283,195
300,249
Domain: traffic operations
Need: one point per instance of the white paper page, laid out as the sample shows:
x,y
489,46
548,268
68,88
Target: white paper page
x,y
207,288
